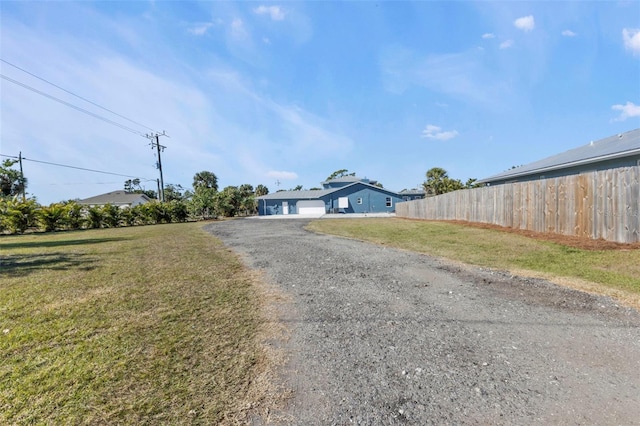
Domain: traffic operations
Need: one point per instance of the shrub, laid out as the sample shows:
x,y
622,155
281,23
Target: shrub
x,y
157,212
95,217
18,216
74,215
111,216
178,211
53,217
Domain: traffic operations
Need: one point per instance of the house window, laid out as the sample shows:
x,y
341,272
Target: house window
x,y
359,200
388,201
406,198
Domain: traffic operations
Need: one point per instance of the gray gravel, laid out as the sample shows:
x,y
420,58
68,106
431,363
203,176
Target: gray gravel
x,y
384,336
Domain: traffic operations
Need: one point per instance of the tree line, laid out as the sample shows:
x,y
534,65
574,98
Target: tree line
x,y
203,201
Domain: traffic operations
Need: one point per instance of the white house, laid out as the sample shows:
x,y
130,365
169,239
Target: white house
x,y
120,198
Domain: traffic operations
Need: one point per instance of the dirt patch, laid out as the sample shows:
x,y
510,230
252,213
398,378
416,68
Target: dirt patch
x,y
266,397
566,240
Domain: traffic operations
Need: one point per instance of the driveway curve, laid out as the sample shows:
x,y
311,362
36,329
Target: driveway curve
x,y
384,336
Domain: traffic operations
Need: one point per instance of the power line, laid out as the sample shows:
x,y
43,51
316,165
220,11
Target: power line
x,y
70,105
84,183
74,167
77,96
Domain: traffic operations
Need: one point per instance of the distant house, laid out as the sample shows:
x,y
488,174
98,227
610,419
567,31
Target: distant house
x,y
412,194
121,199
348,194
622,150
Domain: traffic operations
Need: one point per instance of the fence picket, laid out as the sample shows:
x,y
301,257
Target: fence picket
x,y
602,204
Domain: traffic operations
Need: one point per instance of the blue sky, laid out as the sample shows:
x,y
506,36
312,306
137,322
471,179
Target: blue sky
x,y
259,92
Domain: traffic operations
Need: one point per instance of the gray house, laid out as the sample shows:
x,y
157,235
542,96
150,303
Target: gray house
x,y
621,150
348,194
120,199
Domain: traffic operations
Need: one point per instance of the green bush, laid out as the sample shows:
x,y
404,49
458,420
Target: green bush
x,y
178,211
74,217
18,216
95,217
111,216
52,218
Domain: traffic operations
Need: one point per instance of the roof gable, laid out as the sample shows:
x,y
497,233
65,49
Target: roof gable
x,y
368,185
617,146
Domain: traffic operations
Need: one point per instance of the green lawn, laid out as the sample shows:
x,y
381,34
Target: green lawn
x,y
616,270
152,325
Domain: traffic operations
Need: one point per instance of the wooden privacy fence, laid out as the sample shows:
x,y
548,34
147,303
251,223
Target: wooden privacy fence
x,y
603,204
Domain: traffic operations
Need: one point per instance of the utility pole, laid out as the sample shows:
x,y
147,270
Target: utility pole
x,y
24,197
155,143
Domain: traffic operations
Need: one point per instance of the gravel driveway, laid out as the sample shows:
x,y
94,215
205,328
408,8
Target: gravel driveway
x,y
383,336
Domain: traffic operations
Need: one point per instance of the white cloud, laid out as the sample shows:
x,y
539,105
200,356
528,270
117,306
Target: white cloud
x,y
200,29
435,132
488,35
282,175
631,37
569,33
506,44
526,23
628,110
275,12
238,29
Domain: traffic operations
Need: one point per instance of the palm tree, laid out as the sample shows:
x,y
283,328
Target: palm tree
x,y
205,179
261,190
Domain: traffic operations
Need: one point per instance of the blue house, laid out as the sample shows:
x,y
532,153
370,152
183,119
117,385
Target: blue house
x,y
412,194
348,194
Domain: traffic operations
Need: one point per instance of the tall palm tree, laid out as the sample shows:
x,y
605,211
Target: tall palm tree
x,y
205,179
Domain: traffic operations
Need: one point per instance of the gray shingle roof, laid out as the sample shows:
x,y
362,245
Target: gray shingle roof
x,y
302,195
343,179
414,191
116,198
616,146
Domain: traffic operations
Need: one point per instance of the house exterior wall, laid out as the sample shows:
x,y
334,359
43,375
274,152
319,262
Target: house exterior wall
x,y
371,200
271,207
138,201
629,161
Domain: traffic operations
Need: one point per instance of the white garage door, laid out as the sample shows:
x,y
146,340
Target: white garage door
x,y
310,207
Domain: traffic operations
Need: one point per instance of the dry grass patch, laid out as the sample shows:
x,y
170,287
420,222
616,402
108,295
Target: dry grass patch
x,y
611,272
154,324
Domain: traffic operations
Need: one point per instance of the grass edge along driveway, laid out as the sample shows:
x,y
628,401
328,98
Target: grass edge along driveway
x,y
141,325
614,273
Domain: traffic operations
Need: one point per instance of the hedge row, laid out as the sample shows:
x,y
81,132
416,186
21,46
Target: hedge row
x,y
17,216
